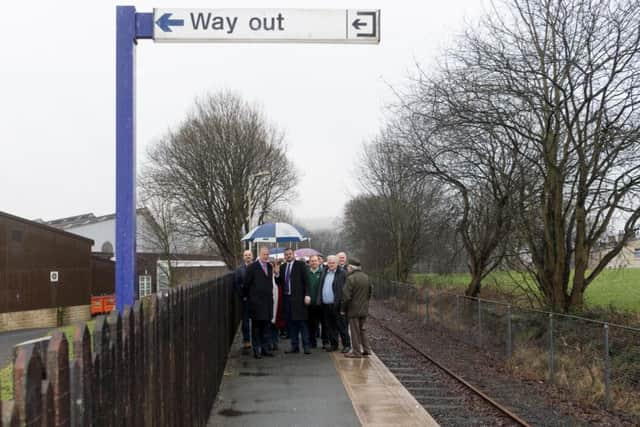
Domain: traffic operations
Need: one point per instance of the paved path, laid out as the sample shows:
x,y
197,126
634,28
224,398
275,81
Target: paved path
x,y
286,390
321,389
11,338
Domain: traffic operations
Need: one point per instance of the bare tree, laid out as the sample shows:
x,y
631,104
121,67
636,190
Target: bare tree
x,y
479,175
400,208
557,82
329,240
220,167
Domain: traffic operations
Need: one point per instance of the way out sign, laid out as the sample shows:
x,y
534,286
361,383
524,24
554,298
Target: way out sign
x,y
267,25
202,25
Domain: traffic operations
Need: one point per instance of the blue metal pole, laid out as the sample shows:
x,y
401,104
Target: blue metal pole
x,y
125,157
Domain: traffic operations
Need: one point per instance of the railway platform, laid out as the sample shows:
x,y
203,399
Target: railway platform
x,y
321,389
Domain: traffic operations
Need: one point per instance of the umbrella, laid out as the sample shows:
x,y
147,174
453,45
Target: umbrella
x,y
306,252
274,232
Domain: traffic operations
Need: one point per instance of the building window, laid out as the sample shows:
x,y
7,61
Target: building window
x,y
144,286
636,252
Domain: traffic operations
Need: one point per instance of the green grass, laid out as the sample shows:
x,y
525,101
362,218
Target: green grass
x,y
69,332
6,373
617,289
6,382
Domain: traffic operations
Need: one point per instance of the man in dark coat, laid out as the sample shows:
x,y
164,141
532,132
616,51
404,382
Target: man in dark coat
x,y
238,284
294,280
330,288
258,289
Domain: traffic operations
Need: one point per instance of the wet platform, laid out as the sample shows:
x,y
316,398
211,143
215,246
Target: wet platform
x,y
321,389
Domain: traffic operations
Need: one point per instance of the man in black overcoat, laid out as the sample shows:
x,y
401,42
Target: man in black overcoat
x,y
238,283
294,280
258,288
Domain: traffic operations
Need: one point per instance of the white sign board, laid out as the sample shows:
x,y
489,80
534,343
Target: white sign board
x,y
53,276
267,25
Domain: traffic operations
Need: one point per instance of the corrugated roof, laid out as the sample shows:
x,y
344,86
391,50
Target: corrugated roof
x,y
44,226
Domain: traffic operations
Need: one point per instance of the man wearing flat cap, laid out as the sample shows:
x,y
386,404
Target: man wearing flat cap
x,y
355,305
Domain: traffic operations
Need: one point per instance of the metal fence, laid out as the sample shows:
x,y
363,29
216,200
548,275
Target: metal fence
x,y
596,362
159,364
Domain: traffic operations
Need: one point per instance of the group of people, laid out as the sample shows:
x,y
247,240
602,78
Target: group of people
x,y
304,301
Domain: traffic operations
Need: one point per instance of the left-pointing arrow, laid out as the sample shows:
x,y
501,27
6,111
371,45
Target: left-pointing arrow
x,y
357,24
165,22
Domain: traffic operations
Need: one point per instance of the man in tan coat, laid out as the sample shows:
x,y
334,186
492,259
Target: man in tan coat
x,y
355,305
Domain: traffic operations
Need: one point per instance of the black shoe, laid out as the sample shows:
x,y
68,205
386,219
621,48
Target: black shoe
x,y
330,349
257,355
307,351
267,354
274,347
292,350
346,349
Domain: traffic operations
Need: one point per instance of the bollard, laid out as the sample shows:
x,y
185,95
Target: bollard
x,y
607,368
551,356
509,331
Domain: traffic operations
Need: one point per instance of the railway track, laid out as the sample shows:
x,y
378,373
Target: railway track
x,y
450,399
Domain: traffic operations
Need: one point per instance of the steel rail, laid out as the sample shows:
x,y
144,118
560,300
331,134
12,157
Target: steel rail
x,y
408,341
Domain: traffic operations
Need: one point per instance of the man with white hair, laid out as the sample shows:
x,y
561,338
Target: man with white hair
x,y
332,282
258,289
342,261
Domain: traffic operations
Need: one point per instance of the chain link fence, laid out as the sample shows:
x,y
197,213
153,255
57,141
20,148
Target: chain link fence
x,y
595,362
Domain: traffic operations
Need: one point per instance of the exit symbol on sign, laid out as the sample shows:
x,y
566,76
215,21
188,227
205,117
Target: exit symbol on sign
x,y
358,24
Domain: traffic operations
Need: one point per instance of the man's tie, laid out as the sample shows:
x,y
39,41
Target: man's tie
x,y
264,268
287,277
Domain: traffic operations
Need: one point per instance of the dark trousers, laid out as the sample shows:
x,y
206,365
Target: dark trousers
x,y
272,334
315,320
246,325
343,329
330,315
295,327
259,332
336,325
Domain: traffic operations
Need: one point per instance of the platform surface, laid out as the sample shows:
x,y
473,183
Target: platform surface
x,y
377,396
321,389
286,390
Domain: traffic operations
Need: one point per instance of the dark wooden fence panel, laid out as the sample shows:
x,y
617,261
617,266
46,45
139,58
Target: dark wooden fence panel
x,y
159,364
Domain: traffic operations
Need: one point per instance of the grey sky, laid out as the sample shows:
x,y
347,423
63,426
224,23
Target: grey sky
x,y
57,83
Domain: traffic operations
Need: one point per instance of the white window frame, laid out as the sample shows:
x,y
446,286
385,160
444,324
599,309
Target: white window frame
x,y
144,285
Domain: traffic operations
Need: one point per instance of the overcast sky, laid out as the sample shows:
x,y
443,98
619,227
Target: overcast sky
x,y
57,95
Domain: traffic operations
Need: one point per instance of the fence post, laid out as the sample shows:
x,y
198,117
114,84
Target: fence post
x,y
509,349
607,368
458,314
551,355
426,305
479,323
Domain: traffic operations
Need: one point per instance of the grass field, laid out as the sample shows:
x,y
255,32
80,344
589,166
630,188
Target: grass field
x,y
617,289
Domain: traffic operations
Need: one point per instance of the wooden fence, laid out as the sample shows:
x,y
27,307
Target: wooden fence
x,y
159,364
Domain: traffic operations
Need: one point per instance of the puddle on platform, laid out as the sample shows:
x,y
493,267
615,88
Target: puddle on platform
x,y
253,374
230,412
